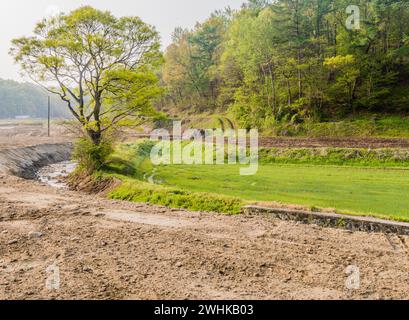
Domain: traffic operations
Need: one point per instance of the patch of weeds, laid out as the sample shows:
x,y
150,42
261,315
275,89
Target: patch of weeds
x,y
315,209
137,191
341,223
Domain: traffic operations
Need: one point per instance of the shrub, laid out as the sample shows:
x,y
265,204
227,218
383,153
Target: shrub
x,y
91,157
144,148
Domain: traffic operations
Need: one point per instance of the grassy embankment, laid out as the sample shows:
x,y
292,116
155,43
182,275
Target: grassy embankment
x,y
365,126
370,183
131,164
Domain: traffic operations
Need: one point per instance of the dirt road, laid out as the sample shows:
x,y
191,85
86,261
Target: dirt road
x,y
118,250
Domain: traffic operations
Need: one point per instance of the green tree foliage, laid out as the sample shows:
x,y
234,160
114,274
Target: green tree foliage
x,y
26,99
293,61
190,73
101,66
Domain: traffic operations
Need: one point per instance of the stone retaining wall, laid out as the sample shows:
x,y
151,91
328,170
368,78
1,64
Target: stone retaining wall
x,y
332,220
24,162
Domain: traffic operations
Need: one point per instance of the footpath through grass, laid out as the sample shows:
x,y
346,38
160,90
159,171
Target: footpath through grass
x,y
366,190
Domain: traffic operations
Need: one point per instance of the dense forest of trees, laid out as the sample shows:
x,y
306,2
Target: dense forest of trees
x,y
292,60
25,99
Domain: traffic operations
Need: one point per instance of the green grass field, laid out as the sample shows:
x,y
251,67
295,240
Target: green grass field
x,y
365,190
379,192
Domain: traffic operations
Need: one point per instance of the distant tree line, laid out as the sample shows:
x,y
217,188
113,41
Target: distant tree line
x,y
292,60
26,99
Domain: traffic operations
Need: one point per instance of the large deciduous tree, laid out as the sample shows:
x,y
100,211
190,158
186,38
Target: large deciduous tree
x,y
101,66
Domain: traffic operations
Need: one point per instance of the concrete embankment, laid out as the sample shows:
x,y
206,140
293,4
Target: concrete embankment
x,y
24,162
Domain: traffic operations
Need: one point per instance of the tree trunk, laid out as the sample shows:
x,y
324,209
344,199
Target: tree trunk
x,y
273,81
95,136
289,93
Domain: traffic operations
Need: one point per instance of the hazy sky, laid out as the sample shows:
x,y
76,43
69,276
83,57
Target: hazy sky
x,y
18,18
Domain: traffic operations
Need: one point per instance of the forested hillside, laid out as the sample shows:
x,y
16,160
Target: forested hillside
x,y
25,99
292,61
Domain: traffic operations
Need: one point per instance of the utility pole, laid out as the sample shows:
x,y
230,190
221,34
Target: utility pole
x,y
49,115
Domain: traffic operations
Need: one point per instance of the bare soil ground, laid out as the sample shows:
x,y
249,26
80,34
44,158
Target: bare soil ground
x,y
118,250
365,143
346,142
13,134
